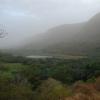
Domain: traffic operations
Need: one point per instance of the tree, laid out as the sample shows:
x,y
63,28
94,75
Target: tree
x,y
3,32
51,90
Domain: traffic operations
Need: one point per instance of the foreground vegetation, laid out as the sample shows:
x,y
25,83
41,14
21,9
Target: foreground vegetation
x,y
49,79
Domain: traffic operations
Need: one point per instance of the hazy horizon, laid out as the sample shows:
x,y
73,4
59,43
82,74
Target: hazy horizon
x,y
23,19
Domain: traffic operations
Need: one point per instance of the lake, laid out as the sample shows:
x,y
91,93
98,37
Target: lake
x,y
36,56
60,57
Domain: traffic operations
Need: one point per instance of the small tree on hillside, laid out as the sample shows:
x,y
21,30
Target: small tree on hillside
x,y
3,32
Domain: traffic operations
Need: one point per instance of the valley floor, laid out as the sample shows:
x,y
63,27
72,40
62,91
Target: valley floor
x,y
24,78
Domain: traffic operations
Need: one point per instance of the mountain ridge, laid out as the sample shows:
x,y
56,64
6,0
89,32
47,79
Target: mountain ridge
x,y
80,38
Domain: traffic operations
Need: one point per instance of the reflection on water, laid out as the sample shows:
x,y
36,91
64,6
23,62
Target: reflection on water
x,y
36,56
58,56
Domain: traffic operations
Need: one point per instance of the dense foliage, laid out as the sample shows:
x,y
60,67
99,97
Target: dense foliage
x,y
43,79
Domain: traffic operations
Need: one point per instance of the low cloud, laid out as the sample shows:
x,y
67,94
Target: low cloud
x,y
25,18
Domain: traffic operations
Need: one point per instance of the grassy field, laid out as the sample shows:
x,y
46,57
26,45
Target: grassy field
x,y
10,69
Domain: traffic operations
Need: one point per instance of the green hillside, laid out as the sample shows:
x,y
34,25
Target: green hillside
x,y
71,39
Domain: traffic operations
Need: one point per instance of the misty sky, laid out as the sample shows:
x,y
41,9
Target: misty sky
x,y
24,18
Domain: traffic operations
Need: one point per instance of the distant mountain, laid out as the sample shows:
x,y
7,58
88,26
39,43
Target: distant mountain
x,y
75,39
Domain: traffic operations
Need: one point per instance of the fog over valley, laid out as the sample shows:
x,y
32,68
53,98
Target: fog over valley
x,y
49,49
24,20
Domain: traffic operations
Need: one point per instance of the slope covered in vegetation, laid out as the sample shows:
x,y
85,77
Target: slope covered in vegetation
x,y
49,79
69,39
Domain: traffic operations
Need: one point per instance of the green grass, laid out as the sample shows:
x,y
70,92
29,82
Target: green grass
x,y
10,69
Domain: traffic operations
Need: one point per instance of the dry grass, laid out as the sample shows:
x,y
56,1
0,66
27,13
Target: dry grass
x,y
86,91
